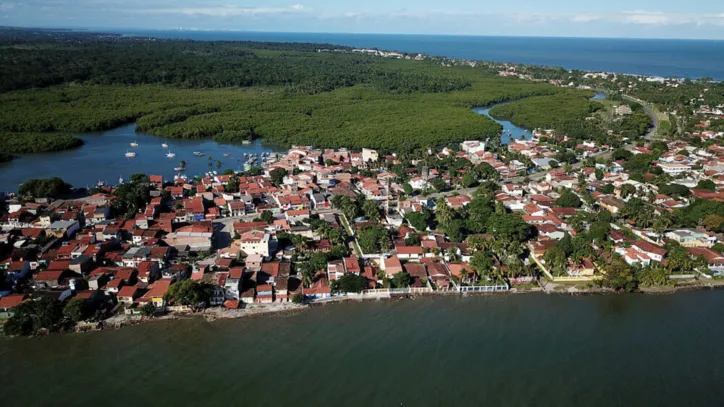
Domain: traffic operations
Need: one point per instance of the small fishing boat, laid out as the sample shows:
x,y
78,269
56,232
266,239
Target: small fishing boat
x,y
130,154
164,145
178,169
226,154
170,154
199,154
134,144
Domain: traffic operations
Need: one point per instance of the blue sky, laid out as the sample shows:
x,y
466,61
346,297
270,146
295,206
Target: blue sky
x,y
568,18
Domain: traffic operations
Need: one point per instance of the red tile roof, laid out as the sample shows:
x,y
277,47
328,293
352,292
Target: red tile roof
x,y
12,300
128,291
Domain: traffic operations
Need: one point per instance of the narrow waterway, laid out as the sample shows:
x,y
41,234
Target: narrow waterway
x,y
510,130
505,350
102,157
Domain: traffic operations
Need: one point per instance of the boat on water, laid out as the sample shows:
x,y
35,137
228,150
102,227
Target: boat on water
x,y
130,154
199,154
134,144
226,154
178,169
164,145
170,154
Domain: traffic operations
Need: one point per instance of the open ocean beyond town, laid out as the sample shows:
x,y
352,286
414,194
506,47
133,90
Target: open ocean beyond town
x,y
652,57
501,350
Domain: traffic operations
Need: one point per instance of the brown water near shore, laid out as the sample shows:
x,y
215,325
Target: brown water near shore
x,y
493,350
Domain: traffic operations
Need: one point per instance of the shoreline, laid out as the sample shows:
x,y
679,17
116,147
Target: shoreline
x,y
211,315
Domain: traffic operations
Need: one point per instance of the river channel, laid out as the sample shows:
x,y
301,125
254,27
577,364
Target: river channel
x,y
102,157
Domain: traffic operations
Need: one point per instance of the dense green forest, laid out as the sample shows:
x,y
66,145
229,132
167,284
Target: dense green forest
x,y
548,112
231,91
24,143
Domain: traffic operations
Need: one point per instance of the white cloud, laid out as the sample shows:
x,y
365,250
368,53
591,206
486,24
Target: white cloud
x,y
647,17
227,11
585,18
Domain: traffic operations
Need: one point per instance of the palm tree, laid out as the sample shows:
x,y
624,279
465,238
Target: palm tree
x,y
299,241
651,196
479,243
644,218
662,223
627,190
464,275
308,276
443,213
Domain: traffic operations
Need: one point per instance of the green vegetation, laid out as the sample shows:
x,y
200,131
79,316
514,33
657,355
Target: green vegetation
x,y
401,280
76,310
701,209
25,143
29,317
232,91
373,239
569,199
44,188
132,196
351,283
548,112
675,190
418,220
187,292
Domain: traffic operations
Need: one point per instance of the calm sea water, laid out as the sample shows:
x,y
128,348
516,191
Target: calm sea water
x,y
516,350
102,157
670,58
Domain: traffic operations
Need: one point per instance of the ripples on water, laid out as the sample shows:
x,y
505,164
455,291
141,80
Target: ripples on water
x,y
499,350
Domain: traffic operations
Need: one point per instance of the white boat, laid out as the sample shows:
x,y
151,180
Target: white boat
x,y
170,154
178,169
199,154
134,144
164,145
226,154
130,154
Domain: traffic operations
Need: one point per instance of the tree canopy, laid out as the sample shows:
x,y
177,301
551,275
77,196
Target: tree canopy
x,y
44,188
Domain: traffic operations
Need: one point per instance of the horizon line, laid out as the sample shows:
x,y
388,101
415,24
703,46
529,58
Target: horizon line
x,y
229,30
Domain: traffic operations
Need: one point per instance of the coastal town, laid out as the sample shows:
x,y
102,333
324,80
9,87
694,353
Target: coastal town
x,y
322,225
509,178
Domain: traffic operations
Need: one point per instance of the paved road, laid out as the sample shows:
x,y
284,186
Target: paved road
x,y
654,118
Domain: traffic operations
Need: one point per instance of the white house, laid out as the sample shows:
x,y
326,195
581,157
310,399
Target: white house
x,y
369,155
255,242
419,183
472,147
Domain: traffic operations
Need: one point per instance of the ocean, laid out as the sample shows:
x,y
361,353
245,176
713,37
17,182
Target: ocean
x,y
499,350
651,57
